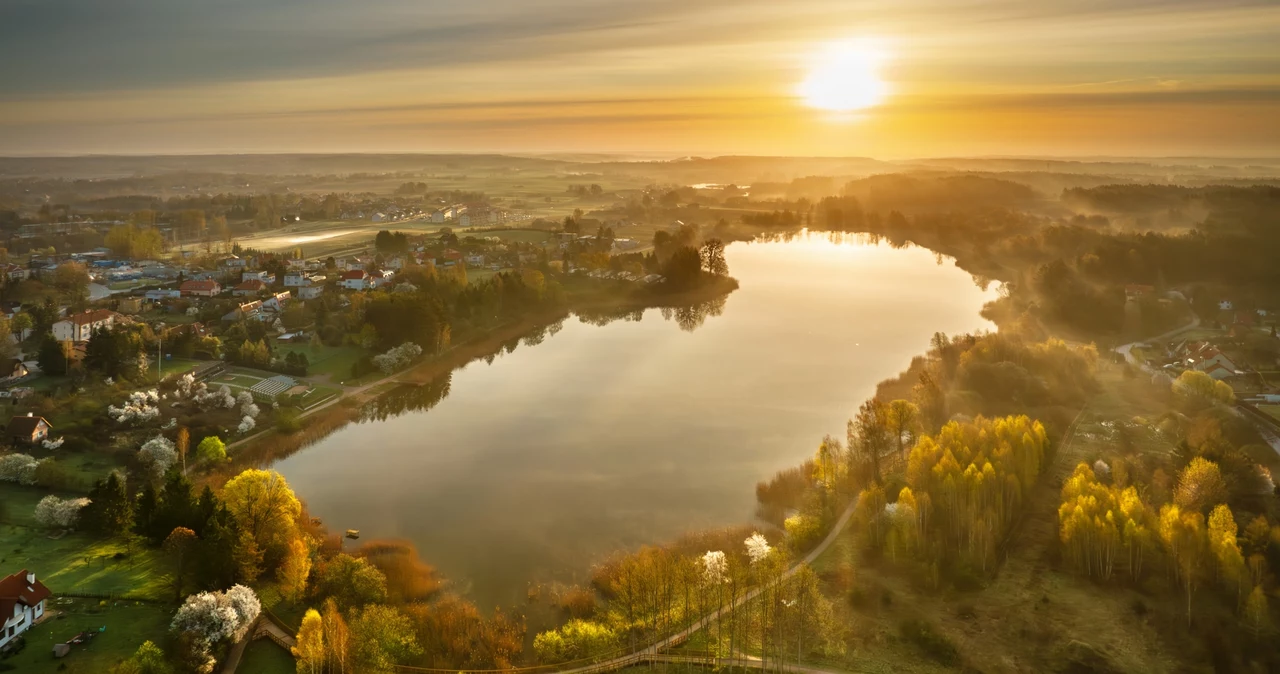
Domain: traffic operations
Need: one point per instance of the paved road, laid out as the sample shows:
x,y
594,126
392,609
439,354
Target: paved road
x,y
1127,349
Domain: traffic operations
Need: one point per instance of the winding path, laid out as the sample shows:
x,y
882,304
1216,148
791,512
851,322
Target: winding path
x,y
653,652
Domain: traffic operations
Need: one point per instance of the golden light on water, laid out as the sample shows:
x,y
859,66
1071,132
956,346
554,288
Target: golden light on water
x,y
845,77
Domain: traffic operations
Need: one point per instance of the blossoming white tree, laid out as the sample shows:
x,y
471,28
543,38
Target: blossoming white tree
x,y
246,424
139,407
212,617
397,357
50,443
57,513
715,567
758,548
20,468
158,455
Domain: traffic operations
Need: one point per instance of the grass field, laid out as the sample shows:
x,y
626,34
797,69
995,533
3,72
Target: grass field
x,y
1273,410
318,395
521,235
172,366
128,625
264,656
78,563
334,361
236,379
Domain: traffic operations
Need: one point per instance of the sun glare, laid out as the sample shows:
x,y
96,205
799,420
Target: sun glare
x,y
845,77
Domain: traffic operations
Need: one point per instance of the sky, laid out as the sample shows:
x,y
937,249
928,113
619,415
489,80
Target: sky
x,y
961,77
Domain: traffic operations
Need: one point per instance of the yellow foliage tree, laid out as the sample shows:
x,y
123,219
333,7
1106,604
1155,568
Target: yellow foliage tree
x,y
310,651
295,570
263,505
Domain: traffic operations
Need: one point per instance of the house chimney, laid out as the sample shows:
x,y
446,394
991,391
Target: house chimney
x,y
31,578
30,414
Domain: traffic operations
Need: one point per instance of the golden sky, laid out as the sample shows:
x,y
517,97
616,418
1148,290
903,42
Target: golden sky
x,y
962,77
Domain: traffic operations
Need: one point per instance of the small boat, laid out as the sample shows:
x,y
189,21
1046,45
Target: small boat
x,y
353,533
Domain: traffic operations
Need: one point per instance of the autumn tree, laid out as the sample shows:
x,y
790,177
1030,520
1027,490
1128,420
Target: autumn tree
x,y
382,637
869,435
903,419
1187,543
1226,549
1200,486
310,648
295,570
263,505
336,639
180,544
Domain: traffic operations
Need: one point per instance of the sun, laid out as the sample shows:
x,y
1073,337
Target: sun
x,y
845,76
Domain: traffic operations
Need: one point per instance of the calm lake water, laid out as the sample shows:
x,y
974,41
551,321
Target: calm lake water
x,y
598,438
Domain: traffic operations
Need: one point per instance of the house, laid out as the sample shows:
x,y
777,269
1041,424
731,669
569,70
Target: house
x,y
21,604
79,327
475,260
356,279
28,430
1217,371
298,279
246,310
234,262
249,288
207,288
310,292
163,294
277,301
295,263
130,305
381,278
260,275
13,370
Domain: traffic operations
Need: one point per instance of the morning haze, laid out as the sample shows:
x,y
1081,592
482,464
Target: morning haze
x,y
581,336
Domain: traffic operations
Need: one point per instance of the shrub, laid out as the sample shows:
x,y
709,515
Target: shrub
x,y
933,643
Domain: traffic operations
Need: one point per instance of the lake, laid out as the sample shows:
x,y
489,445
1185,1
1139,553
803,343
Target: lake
x,y
603,437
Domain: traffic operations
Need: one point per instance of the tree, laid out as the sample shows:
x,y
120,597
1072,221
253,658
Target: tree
x,y
713,260
1200,486
903,419
110,510
21,323
295,570
212,449
383,638
869,435
263,505
72,280
1257,614
182,444
56,513
52,356
1198,386
148,659
310,651
1226,549
180,543
337,639
1187,543
351,581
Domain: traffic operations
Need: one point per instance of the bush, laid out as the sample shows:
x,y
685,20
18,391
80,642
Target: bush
x,y
933,643
288,421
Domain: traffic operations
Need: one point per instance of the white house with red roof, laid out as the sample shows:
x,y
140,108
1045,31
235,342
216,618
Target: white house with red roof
x,y
21,604
205,288
79,327
356,279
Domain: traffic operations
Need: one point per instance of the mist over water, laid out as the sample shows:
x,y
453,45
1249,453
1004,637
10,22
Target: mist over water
x,y
607,437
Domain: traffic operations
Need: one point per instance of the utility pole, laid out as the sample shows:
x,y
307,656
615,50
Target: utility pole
x,y
159,351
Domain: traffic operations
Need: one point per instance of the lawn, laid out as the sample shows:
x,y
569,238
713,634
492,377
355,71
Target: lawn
x,y
264,656
81,564
334,361
316,396
1273,410
236,379
522,235
173,366
477,275
127,624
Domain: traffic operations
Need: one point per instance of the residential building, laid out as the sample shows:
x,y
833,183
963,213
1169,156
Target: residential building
x,y
206,288
163,294
258,274
234,262
28,430
79,327
249,288
310,292
277,301
13,370
21,604
355,279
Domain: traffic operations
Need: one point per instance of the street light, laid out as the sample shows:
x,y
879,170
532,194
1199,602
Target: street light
x,y
159,350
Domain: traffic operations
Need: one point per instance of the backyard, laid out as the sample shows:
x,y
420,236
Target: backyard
x,y
124,626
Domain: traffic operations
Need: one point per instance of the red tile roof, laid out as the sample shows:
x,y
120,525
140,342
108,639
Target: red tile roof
x,y
199,285
14,590
353,275
90,317
252,284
